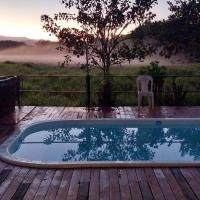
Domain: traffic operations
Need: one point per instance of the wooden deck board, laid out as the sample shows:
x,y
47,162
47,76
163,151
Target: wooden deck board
x,y
44,186
173,184
64,185
94,190
54,186
32,190
74,185
144,185
83,193
114,182
125,192
104,184
95,184
188,193
165,187
134,184
15,184
154,185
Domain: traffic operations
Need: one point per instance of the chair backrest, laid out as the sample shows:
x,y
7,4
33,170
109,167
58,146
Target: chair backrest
x,y
145,83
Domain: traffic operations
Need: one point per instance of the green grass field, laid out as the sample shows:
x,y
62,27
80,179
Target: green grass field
x,y
72,83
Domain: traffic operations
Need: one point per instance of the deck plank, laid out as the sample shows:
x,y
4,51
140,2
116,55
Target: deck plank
x,y
42,190
32,190
83,193
124,185
154,185
191,181
165,187
21,191
114,184
4,174
134,184
188,193
5,185
196,174
144,186
94,190
104,184
173,184
29,118
74,185
14,184
54,186
64,185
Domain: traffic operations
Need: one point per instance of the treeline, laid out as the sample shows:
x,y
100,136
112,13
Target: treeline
x,y
10,44
180,33
45,43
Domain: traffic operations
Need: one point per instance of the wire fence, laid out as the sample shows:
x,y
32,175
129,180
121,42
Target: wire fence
x,y
63,90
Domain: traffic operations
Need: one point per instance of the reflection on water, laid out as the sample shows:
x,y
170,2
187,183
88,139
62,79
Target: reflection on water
x,y
112,144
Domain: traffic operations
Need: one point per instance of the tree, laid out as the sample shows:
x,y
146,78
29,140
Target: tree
x,y
100,28
180,33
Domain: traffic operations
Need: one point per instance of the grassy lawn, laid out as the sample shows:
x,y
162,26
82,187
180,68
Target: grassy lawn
x,y
72,83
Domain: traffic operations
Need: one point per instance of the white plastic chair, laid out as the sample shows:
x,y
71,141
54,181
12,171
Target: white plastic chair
x,y
145,88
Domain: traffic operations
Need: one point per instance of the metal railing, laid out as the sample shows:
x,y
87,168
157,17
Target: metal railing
x,y
88,90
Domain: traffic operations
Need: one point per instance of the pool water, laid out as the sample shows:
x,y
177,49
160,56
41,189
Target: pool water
x,y
139,141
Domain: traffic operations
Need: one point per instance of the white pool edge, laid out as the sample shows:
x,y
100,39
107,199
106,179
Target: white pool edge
x,y
7,157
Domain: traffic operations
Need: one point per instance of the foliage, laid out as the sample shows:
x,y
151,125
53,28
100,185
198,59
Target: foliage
x,y
180,33
45,43
175,93
98,30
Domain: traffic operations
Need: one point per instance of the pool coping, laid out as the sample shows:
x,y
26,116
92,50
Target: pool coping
x,y
6,156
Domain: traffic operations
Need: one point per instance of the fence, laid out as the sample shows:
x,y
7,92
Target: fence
x,y
62,90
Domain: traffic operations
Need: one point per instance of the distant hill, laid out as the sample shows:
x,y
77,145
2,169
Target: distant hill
x,y
26,40
13,38
7,44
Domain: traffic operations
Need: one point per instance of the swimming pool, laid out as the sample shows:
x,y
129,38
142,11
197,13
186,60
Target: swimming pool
x,y
104,143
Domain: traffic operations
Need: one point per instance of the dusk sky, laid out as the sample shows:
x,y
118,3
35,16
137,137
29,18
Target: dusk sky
x,y
22,17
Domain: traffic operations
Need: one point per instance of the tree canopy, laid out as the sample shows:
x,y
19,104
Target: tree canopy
x,y
180,33
99,28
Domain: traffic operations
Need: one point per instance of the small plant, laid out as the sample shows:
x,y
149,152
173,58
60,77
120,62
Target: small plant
x,y
176,94
9,62
158,73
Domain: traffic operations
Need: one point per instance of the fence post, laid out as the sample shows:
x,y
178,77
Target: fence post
x,y
88,90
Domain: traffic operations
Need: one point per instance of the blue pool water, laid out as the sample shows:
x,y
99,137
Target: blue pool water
x,y
116,141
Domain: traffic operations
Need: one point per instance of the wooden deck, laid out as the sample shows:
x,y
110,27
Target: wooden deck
x,y
79,184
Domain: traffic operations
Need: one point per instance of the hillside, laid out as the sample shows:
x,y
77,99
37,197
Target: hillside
x,y
7,44
18,39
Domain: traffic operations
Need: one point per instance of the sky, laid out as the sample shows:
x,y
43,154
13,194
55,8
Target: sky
x,y
21,18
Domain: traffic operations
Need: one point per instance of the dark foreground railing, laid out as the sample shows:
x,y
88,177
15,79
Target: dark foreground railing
x,y
9,94
83,90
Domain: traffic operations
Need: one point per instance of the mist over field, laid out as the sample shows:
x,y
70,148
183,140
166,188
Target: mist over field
x,y
35,52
